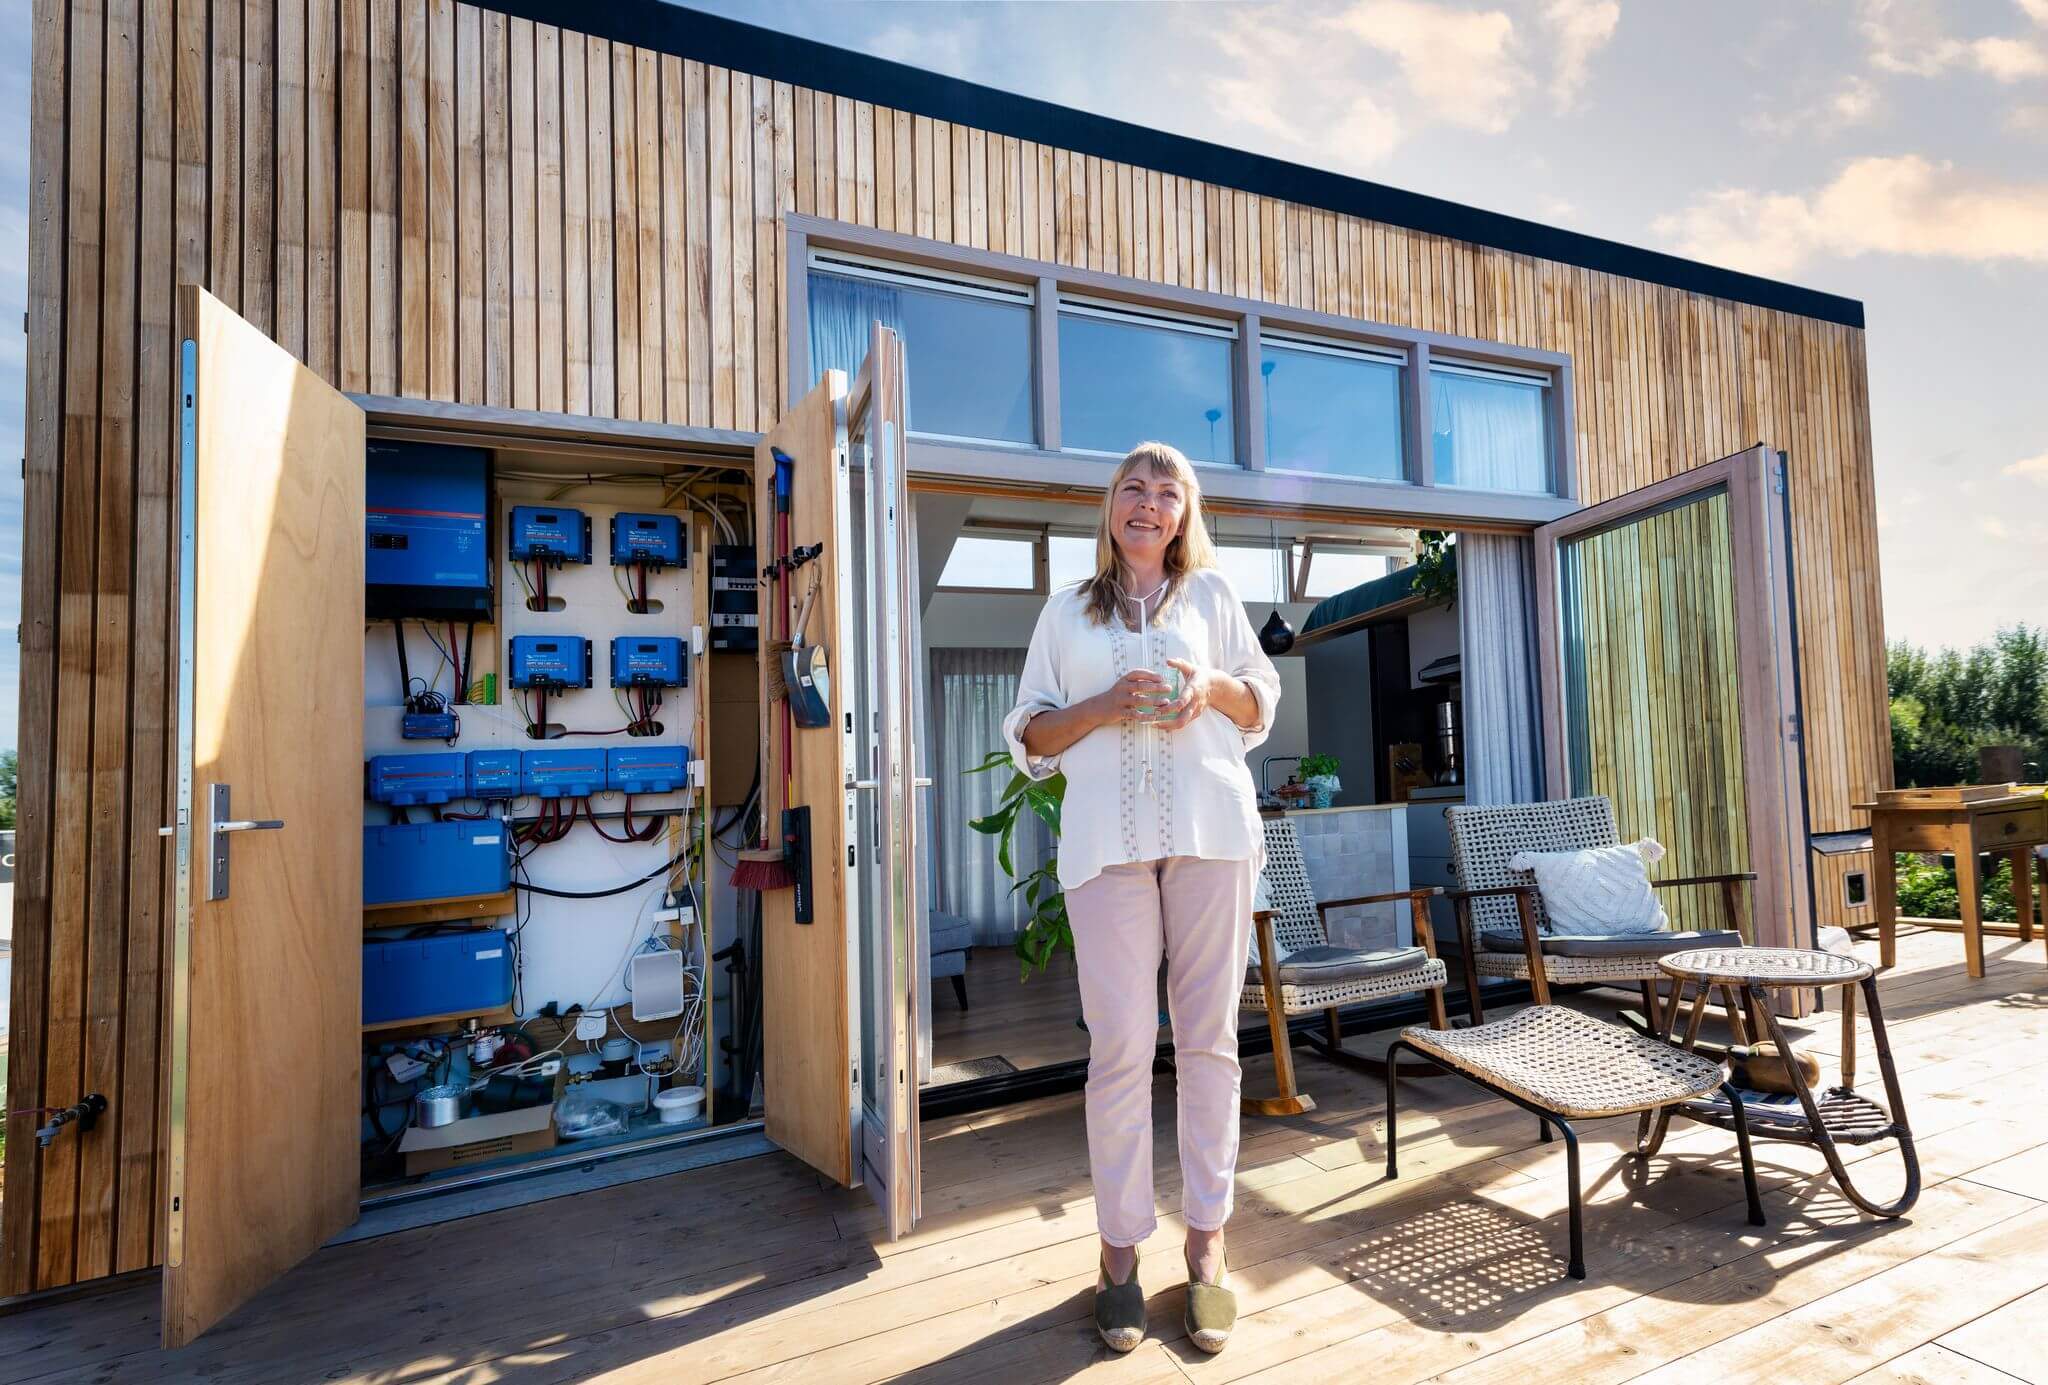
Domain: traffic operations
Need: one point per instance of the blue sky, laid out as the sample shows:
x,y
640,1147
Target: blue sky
x,y
1892,150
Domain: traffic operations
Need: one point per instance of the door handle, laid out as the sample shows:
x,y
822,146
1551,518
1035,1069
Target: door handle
x,y
220,830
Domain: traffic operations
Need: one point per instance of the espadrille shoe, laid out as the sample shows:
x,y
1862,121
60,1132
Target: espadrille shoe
x,y
1211,1313
1119,1308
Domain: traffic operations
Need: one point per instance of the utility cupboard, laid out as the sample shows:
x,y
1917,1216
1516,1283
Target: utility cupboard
x,y
583,244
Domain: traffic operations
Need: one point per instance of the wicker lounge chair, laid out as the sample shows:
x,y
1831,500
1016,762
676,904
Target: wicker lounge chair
x,y
1504,930
1299,971
1562,1066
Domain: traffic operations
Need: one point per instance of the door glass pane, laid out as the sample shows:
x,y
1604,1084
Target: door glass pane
x,y
1123,383
1331,413
1489,432
974,355
1648,657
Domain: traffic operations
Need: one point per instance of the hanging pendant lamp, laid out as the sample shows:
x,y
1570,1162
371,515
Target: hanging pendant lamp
x,y
1276,636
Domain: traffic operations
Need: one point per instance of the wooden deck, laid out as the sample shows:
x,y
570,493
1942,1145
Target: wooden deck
x,y
752,1271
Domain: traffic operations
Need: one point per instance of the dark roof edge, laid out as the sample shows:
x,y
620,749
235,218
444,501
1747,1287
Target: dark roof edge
x,y
770,53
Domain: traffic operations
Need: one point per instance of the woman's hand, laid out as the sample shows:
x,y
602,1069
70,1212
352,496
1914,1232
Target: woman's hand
x,y
1137,696
1203,688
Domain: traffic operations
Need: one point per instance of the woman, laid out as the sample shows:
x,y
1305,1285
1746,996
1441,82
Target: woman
x,y
1146,686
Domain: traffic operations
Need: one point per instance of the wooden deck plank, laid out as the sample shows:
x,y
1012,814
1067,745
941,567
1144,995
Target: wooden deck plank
x,y
1933,1364
2009,1339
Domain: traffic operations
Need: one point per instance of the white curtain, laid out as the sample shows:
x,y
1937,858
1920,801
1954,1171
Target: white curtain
x,y
1497,626
971,691
1488,434
843,314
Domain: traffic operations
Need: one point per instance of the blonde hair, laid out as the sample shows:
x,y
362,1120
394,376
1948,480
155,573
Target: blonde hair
x,y
1186,552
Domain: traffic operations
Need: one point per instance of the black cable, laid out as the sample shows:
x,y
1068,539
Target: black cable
x,y
666,866
404,669
468,650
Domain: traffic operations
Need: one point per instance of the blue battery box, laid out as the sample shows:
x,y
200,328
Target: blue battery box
x,y
428,556
409,781
404,862
551,532
441,974
650,660
430,726
647,768
650,540
494,773
550,661
561,773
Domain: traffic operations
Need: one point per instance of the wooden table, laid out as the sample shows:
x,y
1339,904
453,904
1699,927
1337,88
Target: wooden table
x,y
1970,821
1840,1115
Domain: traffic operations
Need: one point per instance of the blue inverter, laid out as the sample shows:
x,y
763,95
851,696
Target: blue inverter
x,y
550,532
493,774
550,661
646,768
440,974
408,781
561,773
404,862
428,556
649,660
648,540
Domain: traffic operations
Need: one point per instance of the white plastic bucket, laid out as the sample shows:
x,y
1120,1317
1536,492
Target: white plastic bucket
x,y
678,1105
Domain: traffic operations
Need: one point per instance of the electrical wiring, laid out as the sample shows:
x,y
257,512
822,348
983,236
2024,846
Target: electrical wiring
x,y
611,892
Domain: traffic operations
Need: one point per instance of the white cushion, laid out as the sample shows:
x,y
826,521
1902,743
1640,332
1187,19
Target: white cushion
x,y
1602,890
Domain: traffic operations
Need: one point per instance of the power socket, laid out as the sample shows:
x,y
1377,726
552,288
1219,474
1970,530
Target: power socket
x,y
591,1026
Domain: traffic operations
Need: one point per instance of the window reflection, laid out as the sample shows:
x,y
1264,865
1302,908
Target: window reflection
x,y
1334,412
1124,382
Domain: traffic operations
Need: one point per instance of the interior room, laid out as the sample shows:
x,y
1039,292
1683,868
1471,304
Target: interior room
x,y
1369,678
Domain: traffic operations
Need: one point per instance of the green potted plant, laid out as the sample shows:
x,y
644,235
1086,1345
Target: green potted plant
x,y
1047,930
1319,773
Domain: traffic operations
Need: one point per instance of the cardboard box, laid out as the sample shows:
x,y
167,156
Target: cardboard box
x,y
480,1139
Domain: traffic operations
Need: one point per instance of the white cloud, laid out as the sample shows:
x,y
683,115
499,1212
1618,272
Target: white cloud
x,y
2033,469
1460,64
1994,528
1581,28
1853,102
1902,205
1908,38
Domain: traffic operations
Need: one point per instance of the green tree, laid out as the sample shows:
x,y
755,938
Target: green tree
x,y
9,769
1947,704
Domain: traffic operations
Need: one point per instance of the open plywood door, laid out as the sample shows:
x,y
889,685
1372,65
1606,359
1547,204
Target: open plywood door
x,y
841,953
1670,683
266,961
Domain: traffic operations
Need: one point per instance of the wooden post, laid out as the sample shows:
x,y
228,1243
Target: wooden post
x,y
2023,891
1884,890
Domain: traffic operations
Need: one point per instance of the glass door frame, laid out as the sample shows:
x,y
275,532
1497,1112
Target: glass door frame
x,y
1773,752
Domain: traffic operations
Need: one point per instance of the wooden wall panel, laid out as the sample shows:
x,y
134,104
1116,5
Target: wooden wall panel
x,y
428,199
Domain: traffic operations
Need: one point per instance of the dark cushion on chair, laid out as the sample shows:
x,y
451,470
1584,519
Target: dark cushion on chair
x,y
1615,944
1325,964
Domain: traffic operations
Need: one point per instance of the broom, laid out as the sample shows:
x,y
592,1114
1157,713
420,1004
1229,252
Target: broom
x,y
763,867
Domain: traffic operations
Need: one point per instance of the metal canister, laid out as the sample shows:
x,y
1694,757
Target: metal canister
x,y
434,1107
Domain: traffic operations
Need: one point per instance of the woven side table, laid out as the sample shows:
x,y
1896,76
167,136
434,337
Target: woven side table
x,y
1839,1116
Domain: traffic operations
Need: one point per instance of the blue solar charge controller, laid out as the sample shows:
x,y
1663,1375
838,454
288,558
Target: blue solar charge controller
x,y
404,862
550,661
440,974
646,768
650,540
659,661
551,532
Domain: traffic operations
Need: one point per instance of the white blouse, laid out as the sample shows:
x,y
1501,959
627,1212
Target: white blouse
x,y
1136,792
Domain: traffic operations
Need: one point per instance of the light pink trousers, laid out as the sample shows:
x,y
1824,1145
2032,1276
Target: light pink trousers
x,y
1197,913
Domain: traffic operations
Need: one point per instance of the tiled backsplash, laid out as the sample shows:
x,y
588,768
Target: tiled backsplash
x,y
1355,853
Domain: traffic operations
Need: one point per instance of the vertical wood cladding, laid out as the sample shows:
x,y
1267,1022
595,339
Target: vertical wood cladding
x,y
423,198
